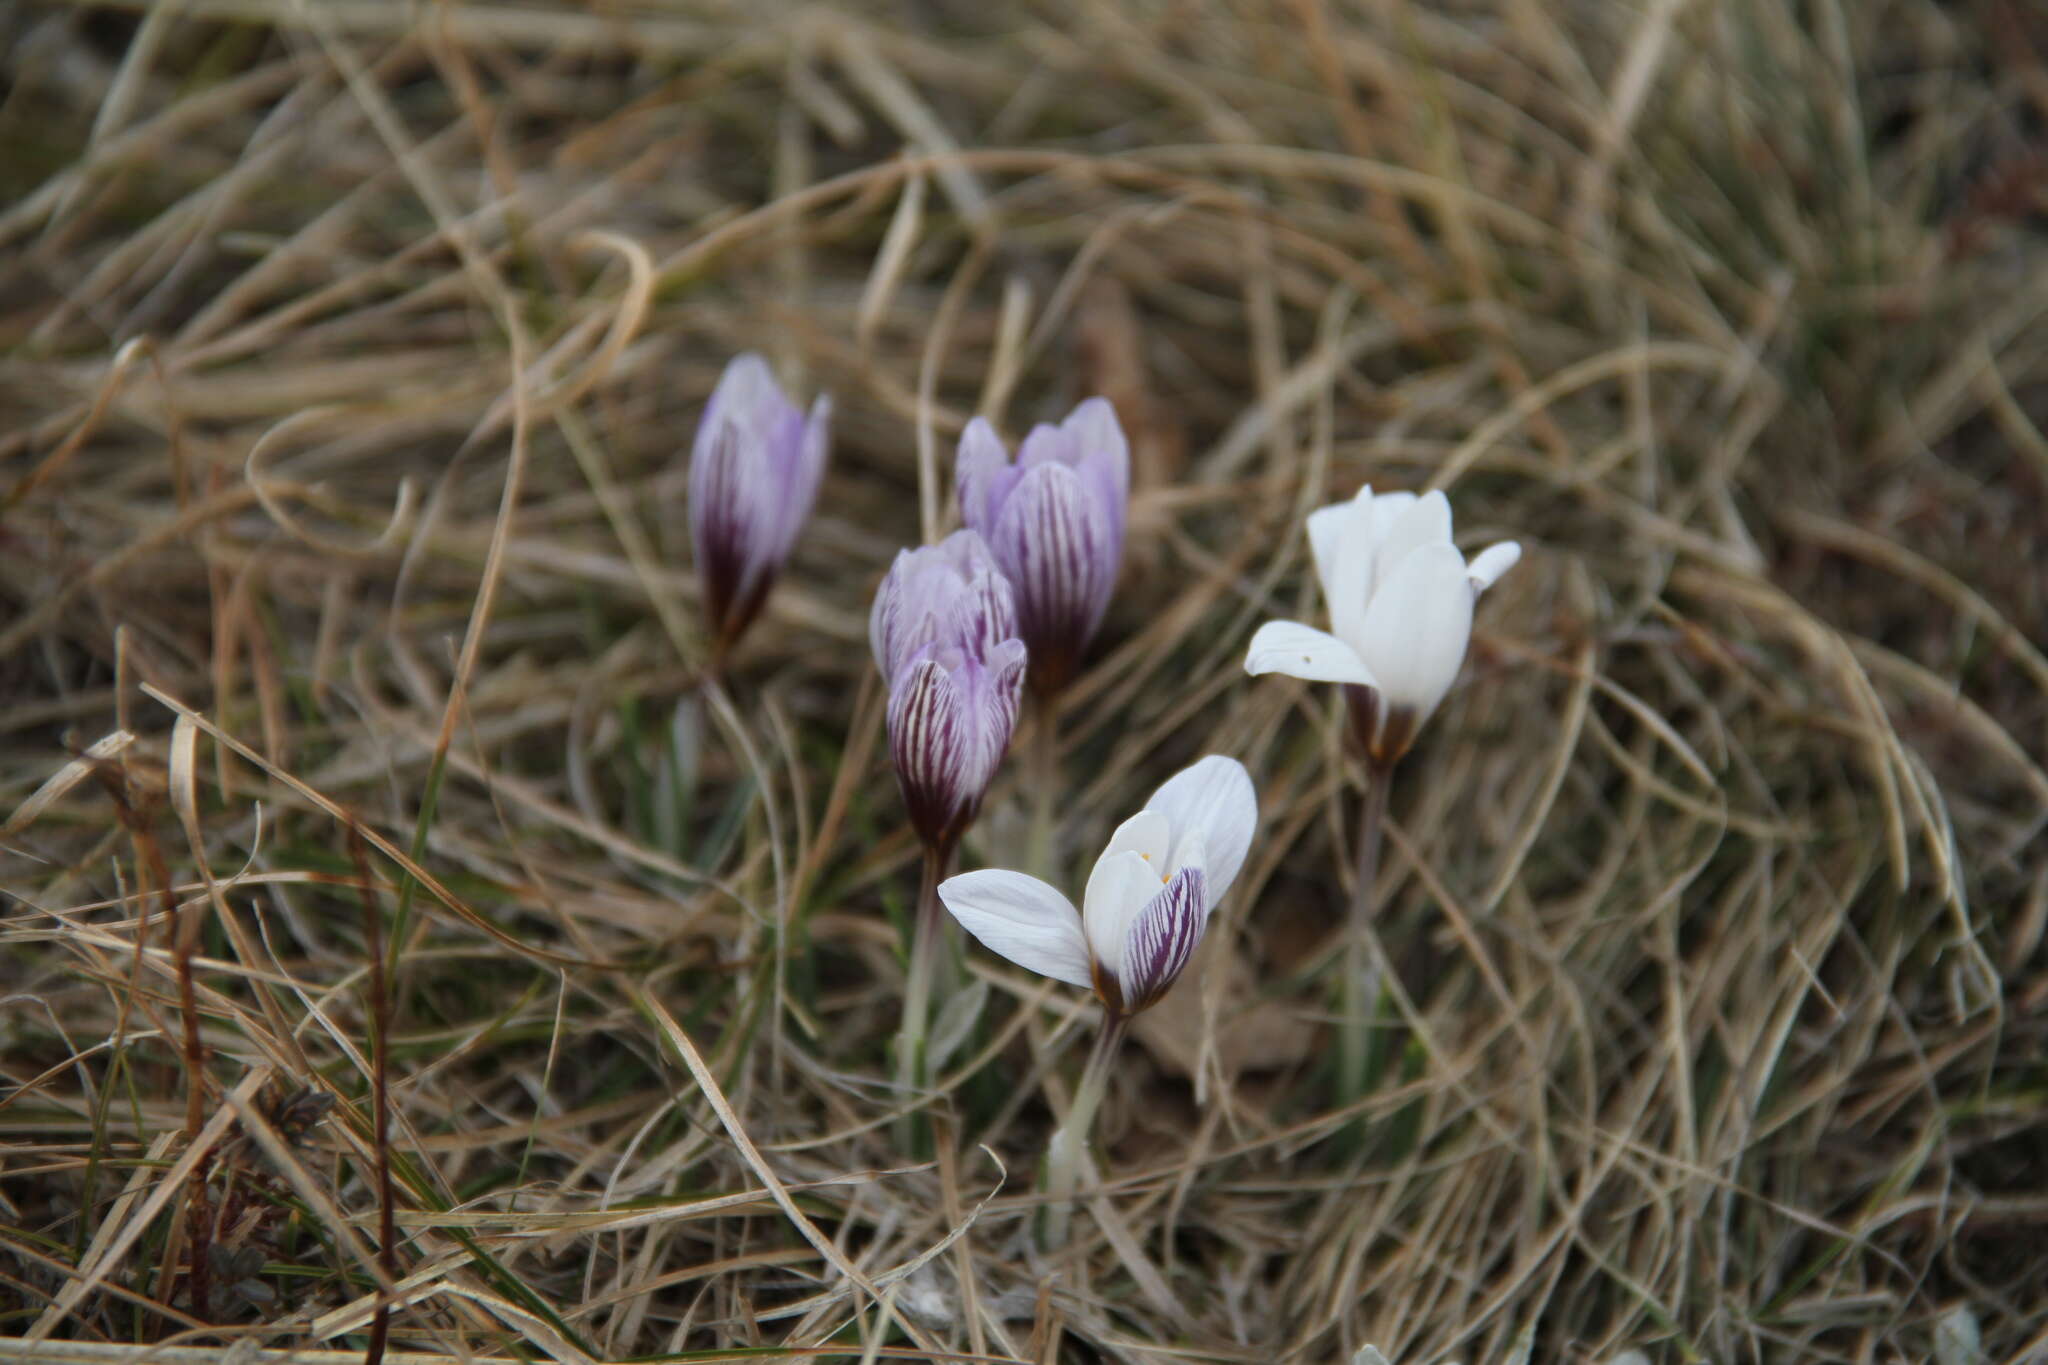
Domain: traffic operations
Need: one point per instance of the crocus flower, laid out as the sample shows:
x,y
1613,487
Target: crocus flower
x,y
1400,598
754,471
1055,520
1147,901
944,629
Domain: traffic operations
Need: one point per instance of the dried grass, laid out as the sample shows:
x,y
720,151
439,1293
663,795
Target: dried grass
x,y
348,350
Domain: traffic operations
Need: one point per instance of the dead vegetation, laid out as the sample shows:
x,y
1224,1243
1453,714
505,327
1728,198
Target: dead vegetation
x,y
348,351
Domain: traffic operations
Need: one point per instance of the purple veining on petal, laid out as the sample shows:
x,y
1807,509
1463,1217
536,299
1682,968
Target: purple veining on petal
x,y
1054,543
943,628
1162,938
1055,520
925,723
997,690
755,464
951,593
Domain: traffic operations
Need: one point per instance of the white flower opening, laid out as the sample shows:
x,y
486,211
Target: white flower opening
x,y
1147,900
1400,598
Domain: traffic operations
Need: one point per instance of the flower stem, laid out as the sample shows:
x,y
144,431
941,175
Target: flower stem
x,y
1069,1144
927,944
1045,782
1361,976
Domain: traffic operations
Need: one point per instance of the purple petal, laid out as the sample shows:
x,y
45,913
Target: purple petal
x,y
801,446
1047,444
982,475
990,608
1104,457
1161,940
927,740
727,494
1056,543
885,617
945,597
995,691
754,470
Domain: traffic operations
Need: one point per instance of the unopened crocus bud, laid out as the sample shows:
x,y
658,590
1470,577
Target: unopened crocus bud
x,y
754,471
944,630
1055,522
1147,901
1400,597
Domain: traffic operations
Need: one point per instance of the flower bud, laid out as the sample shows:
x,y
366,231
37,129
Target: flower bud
x,y
1055,522
754,471
944,629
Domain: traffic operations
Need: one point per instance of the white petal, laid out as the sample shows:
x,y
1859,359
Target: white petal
x,y
1302,651
1329,527
1120,886
1022,919
1427,521
1147,834
1351,581
1387,509
1213,811
1490,563
1415,633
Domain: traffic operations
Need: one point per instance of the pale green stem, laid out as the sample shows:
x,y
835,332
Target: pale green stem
x,y
927,945
1070,1144
1361,977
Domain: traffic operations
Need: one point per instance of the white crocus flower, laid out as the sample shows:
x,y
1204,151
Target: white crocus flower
x,y
1400,598
1147,901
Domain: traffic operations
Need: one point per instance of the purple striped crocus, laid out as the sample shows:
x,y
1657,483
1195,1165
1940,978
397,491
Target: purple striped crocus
x,y
944,630
1147,902
754,471
1055,522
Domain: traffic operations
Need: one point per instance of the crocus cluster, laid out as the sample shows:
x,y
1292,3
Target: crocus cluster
x,y
944,631
958,627
754,472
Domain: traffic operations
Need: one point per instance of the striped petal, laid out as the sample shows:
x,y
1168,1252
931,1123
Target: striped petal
x,y
1161,939
1054,542
929,741
1121,886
